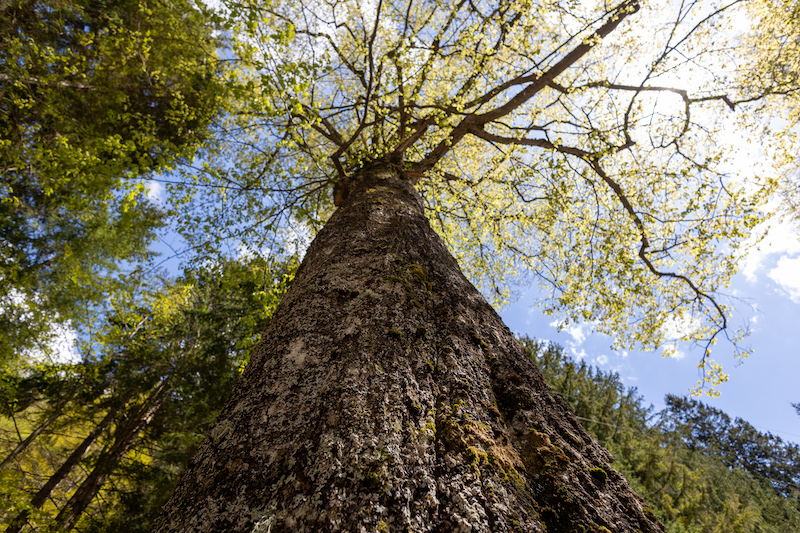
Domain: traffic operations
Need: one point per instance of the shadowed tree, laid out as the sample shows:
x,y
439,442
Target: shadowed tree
x,y
169,355
386,393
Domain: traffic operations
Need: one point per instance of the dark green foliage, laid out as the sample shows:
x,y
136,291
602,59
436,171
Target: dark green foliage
x,y
696,469
603,404
195,335
736,443
212,336
94,94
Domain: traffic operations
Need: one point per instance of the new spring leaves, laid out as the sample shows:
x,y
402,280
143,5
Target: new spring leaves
x,y
593,146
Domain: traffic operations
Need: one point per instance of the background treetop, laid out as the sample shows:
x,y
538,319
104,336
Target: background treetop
x,y
94,97
594,146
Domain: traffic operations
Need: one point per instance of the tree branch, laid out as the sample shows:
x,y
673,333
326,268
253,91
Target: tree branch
x,y
538,82
38,82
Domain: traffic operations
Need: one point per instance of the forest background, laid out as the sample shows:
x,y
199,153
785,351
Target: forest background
x,y
108,431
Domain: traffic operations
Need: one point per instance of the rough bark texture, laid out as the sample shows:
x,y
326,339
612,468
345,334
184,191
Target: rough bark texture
x,y
387,395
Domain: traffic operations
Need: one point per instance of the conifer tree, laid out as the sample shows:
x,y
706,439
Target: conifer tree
x,y
95,96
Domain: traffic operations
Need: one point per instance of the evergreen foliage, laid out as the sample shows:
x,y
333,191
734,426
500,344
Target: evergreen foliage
x,y
737,443
697,470
174,347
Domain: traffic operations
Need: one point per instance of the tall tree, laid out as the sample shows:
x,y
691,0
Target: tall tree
x,y
94,95
389,395
690,488
53,385
736,443
537,133
169,354
386,394
45,492
125,437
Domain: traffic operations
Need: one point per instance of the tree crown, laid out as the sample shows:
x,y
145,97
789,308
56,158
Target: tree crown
x,y
584,144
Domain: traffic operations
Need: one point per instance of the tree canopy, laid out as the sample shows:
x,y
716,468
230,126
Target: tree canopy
x,y
94,96
590,146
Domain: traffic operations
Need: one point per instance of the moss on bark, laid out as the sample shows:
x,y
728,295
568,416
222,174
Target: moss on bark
x,y
441,424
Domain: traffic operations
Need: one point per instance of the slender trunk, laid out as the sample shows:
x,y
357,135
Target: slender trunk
x,y
66,467
108,461
30,438
387,395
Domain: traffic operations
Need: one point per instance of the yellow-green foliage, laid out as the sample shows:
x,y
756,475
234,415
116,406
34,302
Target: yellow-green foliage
x,y
23,477
204,324
94,99
625,198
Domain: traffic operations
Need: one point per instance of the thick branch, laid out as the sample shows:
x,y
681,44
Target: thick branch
x,y
538,82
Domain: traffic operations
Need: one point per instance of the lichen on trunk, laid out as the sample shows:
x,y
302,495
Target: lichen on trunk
x,y
387,395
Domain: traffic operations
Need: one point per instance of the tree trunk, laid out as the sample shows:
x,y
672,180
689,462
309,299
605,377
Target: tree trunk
x,y
387,395
36,432
66,467
124,439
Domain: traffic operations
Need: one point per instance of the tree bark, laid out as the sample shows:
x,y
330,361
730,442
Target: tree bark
x,y
124,439
387,395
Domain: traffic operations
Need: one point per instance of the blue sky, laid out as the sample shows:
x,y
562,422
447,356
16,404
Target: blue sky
x,y
760,389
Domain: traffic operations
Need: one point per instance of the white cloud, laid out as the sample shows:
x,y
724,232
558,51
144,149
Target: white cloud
x,y
782,239
787,275
578,332
297,237
59,346
579,355
63,345
156,192
216,5
780,250
601,360
677,354
246,253
675,329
